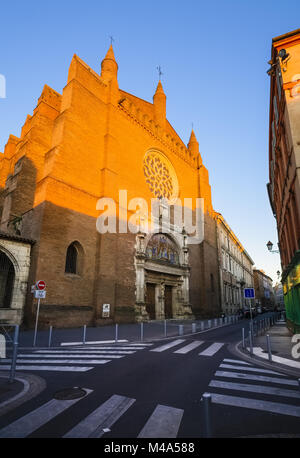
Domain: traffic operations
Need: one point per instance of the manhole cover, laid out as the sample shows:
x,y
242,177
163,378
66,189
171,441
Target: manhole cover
x,y
70,393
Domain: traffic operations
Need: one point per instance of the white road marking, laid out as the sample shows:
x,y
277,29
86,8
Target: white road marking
x,y
168,345
250,369
227,360
26,425
92,342
212,349
189,347
62,361
255,389
71,355
164,422
101,419
49,368
100,347
260,378
266,406
85,352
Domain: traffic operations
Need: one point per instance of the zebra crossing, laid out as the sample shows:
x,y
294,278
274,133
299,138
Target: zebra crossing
x,y
75,359
164,421
234,379
210,350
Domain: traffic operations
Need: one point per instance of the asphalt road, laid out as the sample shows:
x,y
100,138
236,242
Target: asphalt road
x,y
155,390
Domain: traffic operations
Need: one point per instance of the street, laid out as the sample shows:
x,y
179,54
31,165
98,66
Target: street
x,y
154,390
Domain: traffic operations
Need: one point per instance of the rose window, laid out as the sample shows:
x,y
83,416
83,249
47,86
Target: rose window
x,y
160,176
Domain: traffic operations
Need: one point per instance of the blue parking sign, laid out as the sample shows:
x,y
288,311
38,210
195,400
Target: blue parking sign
x,y
249,293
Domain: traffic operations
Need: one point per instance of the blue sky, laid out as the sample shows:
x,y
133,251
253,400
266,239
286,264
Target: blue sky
x,y
214,59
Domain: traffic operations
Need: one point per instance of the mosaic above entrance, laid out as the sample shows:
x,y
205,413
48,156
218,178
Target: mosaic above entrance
x,y
162,248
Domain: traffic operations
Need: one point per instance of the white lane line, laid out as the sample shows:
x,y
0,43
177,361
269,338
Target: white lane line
x,y
62,361
189,347
255,389
251,369
164,422
71,355
83,352
88,348
277,359
168,345
92,342
266,406
212,349
103,417
260,378
228,360
48,368
37,418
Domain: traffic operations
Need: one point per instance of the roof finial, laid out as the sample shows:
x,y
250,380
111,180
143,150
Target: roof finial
x,y
111,39
159,72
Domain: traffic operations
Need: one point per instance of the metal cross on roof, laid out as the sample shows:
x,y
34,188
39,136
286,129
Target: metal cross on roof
x,y
111,39
159,71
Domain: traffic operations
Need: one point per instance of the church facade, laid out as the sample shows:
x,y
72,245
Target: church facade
x,y
95,142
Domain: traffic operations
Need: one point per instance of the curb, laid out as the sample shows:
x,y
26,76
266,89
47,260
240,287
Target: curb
x,y
234,348
32,386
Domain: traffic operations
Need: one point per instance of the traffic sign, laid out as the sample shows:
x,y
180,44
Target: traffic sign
x,y
249,293
38,294
40,284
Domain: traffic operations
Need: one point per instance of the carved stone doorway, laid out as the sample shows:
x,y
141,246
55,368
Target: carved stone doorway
x,y
168,302
150,300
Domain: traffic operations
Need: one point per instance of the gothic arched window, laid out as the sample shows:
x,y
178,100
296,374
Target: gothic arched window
x,y
7,277
73,258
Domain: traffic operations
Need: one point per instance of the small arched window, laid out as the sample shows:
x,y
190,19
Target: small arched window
x,y
72,259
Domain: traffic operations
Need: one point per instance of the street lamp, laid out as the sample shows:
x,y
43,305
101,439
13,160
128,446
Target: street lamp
x,y
270,246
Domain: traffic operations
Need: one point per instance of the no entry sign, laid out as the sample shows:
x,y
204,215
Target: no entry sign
x,y
41,285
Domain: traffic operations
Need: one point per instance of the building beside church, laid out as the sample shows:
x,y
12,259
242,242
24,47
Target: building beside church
x,y
264,292
235,269
95,142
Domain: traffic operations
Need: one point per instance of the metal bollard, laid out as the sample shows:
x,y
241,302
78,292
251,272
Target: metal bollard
x,y
165,328
194,327
251,342
243,337
142,331
209,323
215,322
202,325
116,332
14,356
180,330
269,347
84,334
206,399
50,336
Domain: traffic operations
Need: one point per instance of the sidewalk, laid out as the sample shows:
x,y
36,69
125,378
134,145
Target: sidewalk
x,y
152,330
281,349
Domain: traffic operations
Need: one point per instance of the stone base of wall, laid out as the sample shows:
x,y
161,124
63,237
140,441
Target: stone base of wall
x,y
11,316
64,316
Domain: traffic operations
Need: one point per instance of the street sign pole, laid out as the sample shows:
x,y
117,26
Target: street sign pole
x,y
36,321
